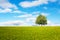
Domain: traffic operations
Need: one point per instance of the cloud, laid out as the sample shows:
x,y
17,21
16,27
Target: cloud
x,y
6,4
16,11
25,16
27,4
5,10
45,14
29,19
16,22
50,23
33,3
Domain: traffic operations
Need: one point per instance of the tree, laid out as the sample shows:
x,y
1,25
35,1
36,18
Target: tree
x,y
41,20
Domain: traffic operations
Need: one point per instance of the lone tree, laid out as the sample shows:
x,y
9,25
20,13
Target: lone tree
x,y
41,20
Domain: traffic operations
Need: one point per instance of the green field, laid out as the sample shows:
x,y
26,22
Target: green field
x,y
30,33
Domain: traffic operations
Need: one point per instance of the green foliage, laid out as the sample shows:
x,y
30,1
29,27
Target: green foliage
x,y
30,33
41,20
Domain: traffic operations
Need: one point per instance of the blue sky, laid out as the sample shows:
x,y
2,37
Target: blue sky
x,y
24,12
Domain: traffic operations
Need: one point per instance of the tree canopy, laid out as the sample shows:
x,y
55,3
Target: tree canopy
x,y
41,20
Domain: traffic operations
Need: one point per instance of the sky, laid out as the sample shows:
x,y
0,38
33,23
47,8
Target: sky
x,y
25,12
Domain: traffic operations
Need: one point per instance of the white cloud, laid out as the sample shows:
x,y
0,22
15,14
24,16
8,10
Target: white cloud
x,y
17,11
5,4
36,13
26,4
50,23
10,11
33,3
25,15
5,10
29,19
16,22
45,14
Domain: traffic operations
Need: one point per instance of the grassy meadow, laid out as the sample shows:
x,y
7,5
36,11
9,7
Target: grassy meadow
x,y
30,33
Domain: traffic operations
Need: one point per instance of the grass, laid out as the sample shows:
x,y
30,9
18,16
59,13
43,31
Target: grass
x,y
30,33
